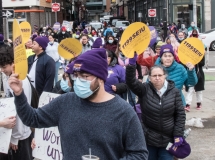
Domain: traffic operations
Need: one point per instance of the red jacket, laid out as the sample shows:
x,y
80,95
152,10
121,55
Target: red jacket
x,y
148,62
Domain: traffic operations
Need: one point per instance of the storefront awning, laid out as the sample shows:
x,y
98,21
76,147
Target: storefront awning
x,y
28,10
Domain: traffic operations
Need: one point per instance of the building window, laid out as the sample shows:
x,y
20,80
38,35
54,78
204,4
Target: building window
x,y
20,15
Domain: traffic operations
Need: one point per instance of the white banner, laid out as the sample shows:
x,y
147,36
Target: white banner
x,y
20,3
68,25
7,109
48,145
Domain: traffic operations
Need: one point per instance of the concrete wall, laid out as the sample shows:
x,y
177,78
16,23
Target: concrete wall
x,y
212,13
207,7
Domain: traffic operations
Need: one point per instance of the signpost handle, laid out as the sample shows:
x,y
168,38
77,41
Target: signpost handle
x,y
55,16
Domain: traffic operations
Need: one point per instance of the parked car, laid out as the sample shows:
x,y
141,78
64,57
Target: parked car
x,y
97,25
113,20
208,38
120,24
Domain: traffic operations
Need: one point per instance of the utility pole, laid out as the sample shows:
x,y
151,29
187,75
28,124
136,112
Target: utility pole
x,y
194,12
1,18
165,19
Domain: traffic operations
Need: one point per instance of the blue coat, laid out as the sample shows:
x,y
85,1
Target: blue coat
x,y
180,76
45,72
108,30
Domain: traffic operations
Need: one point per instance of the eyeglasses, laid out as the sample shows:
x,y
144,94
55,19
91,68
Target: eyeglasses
x,y
82,78
155,76
157,49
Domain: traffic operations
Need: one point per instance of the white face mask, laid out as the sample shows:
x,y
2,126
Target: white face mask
x,y
77,36
192,24
63,32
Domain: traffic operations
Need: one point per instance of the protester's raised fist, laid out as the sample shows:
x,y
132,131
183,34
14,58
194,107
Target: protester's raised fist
x,y
15,84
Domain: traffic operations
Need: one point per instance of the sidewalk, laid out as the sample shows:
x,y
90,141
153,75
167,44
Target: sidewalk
x,y
202,140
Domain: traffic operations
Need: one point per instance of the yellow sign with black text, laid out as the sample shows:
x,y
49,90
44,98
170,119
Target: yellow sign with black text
x,y
135,38
191,50
20,58
69,48
26,31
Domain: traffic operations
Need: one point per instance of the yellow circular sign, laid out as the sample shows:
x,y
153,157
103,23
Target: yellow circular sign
x,y
135,38
26,31
191,50
20,58
69,48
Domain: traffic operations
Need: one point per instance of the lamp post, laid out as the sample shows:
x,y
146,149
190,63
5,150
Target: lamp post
x,y
1,18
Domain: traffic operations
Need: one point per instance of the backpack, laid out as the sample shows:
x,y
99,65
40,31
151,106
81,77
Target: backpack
x,y
34,96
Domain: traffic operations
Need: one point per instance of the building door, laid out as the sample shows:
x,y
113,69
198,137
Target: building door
x,y
181,12
10,27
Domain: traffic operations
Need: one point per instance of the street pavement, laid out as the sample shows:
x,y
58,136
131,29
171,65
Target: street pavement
x,y
211,59
202,140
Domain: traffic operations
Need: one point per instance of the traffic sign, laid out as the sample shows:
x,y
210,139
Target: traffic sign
x,y
55,7
7,13
152,13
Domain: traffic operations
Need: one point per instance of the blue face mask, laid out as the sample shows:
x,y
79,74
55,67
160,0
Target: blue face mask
x,y
82,88
110,41
64,86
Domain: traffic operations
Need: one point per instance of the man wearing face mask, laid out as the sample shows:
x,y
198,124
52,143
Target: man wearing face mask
x,y
90,117
63,34
181,36
183,29
191,28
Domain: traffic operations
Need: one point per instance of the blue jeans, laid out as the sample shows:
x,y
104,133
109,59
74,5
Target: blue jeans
x,y
57,66
158,153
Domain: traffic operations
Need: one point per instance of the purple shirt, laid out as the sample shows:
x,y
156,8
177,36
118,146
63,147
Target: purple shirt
x,y
116,74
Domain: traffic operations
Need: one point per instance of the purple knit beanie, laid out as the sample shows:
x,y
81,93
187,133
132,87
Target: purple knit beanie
x,y
85,31
1,38
42,41
181,151
70,68
97,43
166,48
94,62
33,37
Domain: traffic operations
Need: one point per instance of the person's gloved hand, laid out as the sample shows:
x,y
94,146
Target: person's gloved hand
x,y
178,141
132,61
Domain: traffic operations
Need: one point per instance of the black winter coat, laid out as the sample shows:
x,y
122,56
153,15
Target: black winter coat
x,y
62,36
45,72
200,86
163,118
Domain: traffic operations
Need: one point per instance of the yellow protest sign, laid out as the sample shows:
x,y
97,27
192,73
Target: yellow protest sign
x,y
191,50
135,38
29,52
26,31
69,48
20,59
